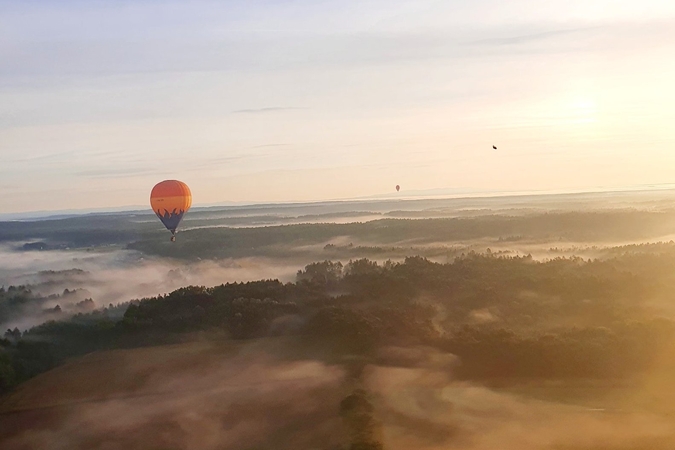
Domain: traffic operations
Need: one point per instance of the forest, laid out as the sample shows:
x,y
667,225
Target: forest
x,y
503,317
293,232
421,324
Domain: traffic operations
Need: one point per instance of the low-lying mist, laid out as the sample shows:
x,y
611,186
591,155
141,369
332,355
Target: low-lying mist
x,y
535,330
113,276
264,394
420,406
193,396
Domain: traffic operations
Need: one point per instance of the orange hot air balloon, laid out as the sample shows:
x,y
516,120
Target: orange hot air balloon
x,y
170,200
398,188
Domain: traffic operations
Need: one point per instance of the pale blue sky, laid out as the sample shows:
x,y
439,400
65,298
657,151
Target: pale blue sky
x,y
311,100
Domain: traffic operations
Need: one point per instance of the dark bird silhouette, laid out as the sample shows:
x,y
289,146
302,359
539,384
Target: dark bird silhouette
x,y
494,147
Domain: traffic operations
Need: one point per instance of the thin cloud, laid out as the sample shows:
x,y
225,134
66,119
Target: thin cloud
x,y
267,110
115,172
270,145
42,158
523,39
210,163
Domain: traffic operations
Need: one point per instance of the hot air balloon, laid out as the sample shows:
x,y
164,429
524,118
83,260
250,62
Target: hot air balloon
x,y
398,188
170,200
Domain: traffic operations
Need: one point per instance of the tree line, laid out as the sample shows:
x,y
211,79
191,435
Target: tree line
x,y
502,316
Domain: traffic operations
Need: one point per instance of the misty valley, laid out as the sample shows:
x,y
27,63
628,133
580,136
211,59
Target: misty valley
x,y
429,324
337,225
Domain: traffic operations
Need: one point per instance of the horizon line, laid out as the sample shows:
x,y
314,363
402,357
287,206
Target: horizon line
x,y
412,195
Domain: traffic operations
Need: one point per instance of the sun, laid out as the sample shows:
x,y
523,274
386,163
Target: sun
x,y
583,110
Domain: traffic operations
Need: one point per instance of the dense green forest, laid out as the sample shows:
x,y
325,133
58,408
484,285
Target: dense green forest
x,y
502,316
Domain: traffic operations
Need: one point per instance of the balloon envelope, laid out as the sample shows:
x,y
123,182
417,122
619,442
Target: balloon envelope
x,y
398,188
170,200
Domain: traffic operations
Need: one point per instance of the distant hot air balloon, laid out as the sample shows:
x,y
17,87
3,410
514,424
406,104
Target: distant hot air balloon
x,y
398,188
170,200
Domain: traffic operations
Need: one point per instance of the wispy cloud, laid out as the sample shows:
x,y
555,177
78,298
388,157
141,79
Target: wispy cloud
x,y
60,156
223,94
270,145
270,109
215,162
527,38
116,172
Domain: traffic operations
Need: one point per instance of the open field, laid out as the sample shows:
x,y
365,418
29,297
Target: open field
x,y
195,395
212,394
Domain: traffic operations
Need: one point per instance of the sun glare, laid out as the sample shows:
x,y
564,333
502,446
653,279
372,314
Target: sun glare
x,y
583,110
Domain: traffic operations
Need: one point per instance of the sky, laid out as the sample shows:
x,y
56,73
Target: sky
x,y
273,101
